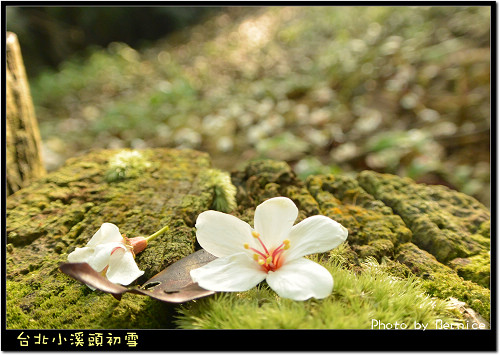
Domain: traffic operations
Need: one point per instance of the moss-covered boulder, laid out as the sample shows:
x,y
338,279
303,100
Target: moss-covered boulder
x,y
446,223
475,268
374,230
142,191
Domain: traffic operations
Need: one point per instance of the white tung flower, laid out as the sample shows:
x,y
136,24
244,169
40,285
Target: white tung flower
x,y
274,251
111,254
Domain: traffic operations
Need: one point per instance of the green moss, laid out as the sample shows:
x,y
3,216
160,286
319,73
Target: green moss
x,y
441,220
44,298
484,229
444,285
192,205
64,305
373,229
224,192
441,281
355,302
396,269
16,314
480,239
260,180
419,261
377,248
303,199
62,211
475,268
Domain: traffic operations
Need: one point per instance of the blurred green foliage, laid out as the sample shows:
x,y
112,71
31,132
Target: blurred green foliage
x,y
403,90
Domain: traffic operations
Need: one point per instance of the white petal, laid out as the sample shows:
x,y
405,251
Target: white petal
x,y
122,268
301,279
102,253
81,255
236,272
274,219
108,233
222,234
315,234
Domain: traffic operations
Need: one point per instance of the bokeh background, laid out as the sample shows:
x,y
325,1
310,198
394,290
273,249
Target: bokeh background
x,y
403,90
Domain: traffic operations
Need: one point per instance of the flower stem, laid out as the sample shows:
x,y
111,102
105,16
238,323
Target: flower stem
x,y
154,235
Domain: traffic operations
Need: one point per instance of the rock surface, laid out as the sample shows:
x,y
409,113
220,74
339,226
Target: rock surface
x,y
440,235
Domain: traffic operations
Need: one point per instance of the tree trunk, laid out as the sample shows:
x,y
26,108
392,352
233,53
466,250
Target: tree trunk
x,y
23,148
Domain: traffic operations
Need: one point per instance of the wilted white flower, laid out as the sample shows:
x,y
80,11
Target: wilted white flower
x,y
112,254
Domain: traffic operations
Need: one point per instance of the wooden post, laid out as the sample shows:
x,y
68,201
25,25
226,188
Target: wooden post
x,y
23,148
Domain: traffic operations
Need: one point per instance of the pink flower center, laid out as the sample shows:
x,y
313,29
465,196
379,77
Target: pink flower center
x,y
268,259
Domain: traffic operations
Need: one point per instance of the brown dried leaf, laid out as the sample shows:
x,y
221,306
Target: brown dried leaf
x,y
174,284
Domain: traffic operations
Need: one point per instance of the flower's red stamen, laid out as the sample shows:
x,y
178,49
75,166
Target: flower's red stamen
x,y
277,250
115,249
256,235
269,261
284,246
265,249
258,252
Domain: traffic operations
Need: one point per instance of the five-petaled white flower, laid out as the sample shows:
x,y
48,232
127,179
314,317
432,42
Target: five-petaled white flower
x,y
274,251
111,254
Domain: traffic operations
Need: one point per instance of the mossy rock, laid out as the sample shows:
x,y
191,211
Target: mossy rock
x,y
475,268
53,216
60,212
446,223
374,230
